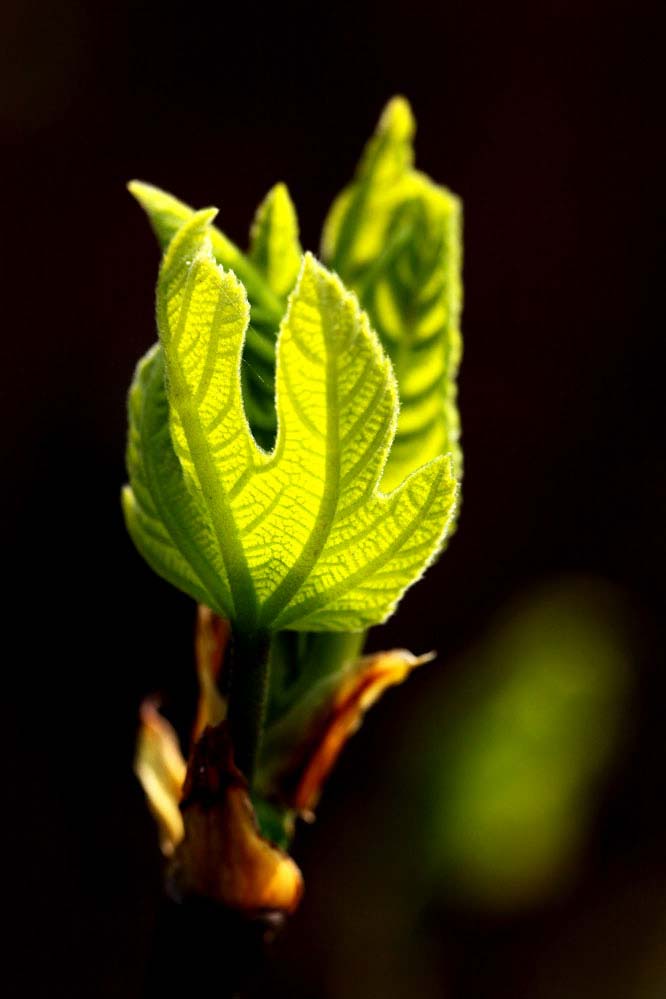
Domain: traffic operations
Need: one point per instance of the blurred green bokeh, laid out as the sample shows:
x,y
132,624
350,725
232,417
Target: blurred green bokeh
x,y
515,772
469,804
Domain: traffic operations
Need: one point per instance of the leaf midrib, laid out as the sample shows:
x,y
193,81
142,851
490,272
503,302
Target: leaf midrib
x,y
321,529
243,595
179,537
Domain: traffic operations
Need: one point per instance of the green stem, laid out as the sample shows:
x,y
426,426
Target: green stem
x,y
248,695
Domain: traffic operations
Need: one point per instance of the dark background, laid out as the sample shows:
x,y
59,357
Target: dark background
x,y
546,119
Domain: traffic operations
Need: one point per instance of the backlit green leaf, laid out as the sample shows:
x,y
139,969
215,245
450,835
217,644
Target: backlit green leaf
x,y
161,515
394,237
302,537
167,214
274,246
268,274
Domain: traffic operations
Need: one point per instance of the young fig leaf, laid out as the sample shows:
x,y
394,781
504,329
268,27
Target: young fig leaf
x,y
302,536
393,236
274,246
161,515
167,214
268,274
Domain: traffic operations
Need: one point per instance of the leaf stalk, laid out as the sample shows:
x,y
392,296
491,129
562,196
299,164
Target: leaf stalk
x,y
249,677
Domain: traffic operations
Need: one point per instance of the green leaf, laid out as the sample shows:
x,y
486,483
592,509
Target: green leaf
x,y
395,238
274,246
303,536
274,260
161,515
167,214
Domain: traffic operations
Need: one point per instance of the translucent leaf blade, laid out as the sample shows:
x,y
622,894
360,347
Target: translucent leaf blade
x,y
376,553
202,314
161,516
306,538
275,249
167,215
395,237
337,408
350,237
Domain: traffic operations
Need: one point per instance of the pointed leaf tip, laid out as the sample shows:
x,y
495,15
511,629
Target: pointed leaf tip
x,y
397,119
275,249
190,242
